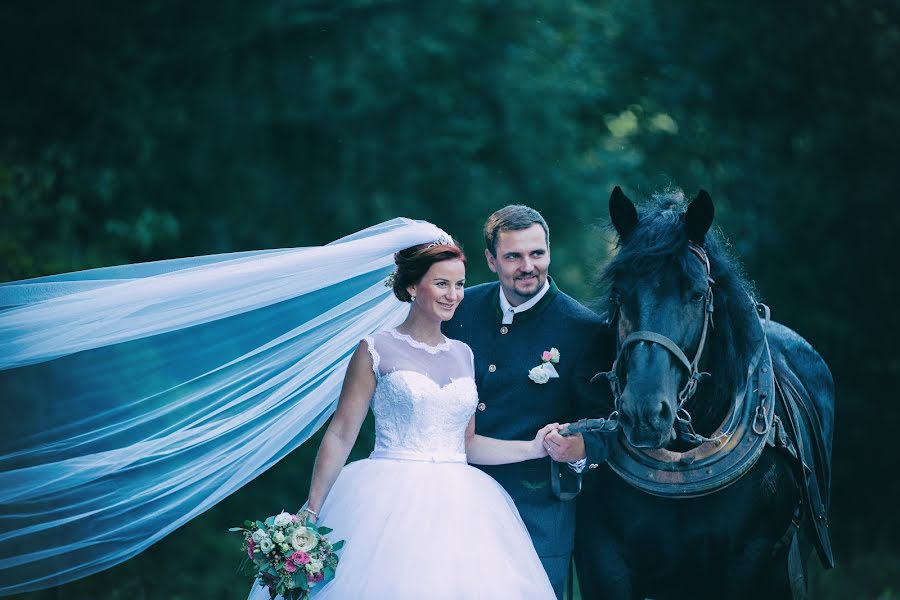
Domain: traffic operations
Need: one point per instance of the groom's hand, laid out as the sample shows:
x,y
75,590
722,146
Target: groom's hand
x,y
564,449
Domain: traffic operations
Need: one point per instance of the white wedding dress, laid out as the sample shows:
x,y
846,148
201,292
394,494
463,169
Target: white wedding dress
x,y
418,521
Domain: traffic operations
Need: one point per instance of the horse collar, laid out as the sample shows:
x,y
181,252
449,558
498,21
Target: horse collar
x,y
721,459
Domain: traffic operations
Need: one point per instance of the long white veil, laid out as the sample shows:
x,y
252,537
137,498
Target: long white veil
x,y
134,398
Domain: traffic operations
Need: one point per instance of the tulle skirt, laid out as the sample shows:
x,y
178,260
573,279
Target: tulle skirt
x,y
435,530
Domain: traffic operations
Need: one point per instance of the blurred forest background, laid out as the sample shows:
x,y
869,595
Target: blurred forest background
x,y
135,131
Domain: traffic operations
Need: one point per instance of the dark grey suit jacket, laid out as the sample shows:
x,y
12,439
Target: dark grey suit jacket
x,y
513,407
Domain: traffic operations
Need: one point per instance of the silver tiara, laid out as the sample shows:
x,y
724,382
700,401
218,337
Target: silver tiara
x,y
443,240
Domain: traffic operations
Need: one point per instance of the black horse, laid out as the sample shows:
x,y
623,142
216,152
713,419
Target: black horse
x,y
718,484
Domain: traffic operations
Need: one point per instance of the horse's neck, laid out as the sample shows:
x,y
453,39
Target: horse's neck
x,y
709,408
715,397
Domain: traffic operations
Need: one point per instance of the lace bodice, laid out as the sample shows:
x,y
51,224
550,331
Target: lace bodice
x,y
424,397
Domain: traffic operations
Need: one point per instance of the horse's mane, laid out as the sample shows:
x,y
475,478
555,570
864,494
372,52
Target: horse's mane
x,y
659,242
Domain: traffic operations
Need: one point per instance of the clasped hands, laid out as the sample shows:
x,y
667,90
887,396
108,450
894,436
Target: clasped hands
x,y
560,448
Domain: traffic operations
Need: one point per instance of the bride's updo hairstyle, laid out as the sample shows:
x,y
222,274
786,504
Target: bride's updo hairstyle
x,y
412,264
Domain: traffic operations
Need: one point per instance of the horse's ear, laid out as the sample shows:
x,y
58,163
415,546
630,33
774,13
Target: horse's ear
x,y
623,213
699,217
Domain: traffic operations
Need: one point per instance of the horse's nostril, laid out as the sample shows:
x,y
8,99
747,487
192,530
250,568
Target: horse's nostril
x,y
665,412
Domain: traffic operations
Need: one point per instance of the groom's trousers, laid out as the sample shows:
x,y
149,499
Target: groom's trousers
x,y
557,568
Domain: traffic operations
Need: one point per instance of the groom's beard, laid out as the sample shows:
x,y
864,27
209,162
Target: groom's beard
x,y
528,288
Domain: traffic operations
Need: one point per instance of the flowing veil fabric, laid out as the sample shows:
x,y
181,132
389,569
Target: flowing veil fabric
x,y
134,398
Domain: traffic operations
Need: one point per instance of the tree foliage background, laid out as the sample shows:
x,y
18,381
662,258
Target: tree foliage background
x,y
140,131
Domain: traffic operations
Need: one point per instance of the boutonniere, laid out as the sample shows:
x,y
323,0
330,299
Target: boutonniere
x,y
545,371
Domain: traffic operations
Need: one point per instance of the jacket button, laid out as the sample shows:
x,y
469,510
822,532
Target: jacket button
x,y
504,330
593,466
482,406
492,368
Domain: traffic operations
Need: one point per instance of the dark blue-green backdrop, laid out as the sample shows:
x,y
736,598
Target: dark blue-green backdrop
x,y
140,131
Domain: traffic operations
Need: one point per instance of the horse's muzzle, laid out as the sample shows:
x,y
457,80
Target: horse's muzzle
x,y
646,418
650,438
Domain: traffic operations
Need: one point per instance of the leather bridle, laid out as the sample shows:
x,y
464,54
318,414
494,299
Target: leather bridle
x,y
695,376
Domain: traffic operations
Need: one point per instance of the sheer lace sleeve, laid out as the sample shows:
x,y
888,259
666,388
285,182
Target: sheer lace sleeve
x,y
471,357
376,359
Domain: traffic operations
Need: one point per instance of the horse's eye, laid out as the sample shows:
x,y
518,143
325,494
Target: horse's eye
x,y
698,297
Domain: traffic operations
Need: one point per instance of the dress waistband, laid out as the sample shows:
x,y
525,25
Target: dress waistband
x,y
438,457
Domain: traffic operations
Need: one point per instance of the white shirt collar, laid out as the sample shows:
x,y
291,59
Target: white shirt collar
x,y
509,311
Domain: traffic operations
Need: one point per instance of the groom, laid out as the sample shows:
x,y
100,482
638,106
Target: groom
x,y
509,325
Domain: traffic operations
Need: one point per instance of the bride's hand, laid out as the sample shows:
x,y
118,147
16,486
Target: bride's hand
x,y
307,515
538,444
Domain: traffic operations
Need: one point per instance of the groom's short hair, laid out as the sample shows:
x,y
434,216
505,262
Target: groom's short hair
x,y
512,218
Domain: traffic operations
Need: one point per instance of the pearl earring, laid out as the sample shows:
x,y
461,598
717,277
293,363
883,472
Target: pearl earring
x,y
412,298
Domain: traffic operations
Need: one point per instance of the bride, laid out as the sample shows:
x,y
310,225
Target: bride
x,y
418,520
137,397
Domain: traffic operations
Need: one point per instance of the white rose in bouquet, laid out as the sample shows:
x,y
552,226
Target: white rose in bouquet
x,y
278,537
314,566
266,545
303,540
282,519
259,535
